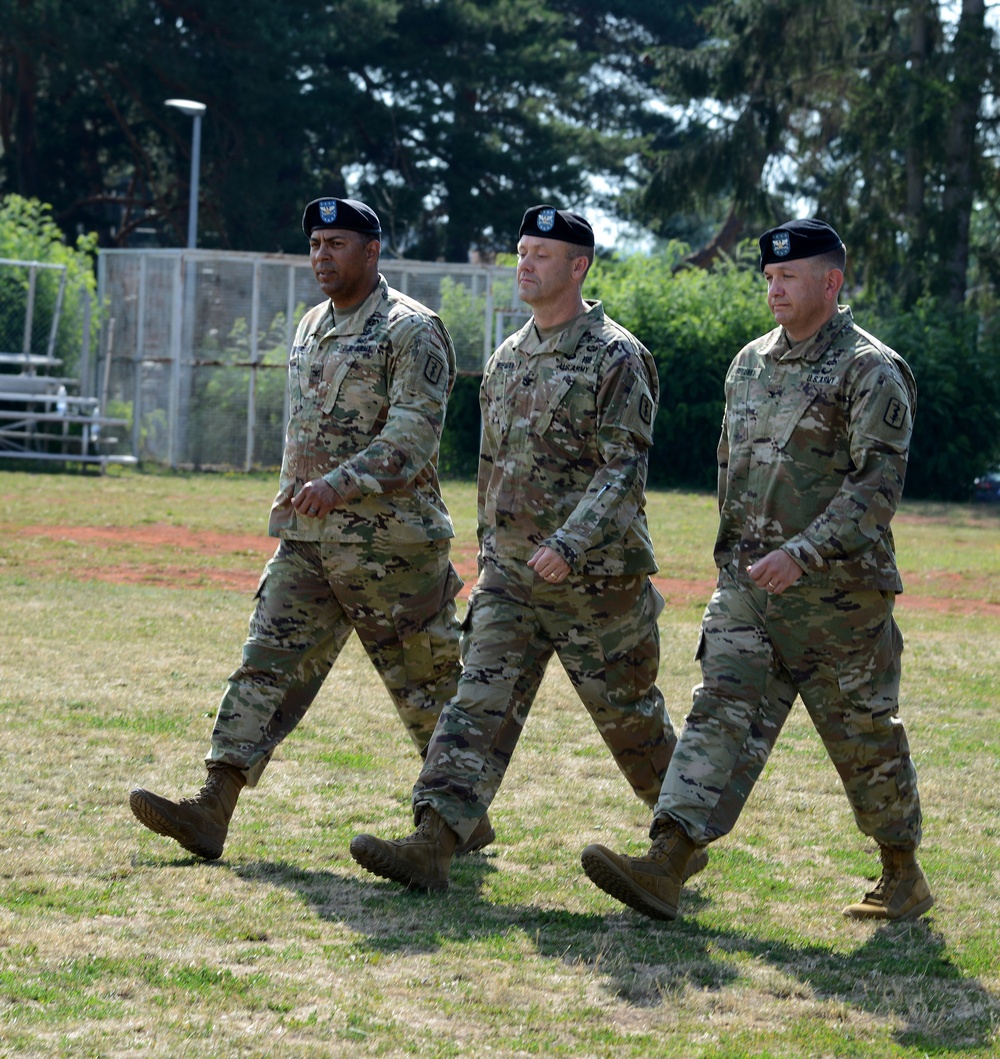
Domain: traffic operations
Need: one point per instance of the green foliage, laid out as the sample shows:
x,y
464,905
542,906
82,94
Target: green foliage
x,y
449,117
28,233
462,427
694,323
956,362
464,314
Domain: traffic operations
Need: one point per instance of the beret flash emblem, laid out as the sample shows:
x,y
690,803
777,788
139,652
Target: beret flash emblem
x,y
781,244
328,211
546,220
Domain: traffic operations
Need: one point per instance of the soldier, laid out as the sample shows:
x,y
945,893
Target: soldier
x,y
568,404
811,465
364,533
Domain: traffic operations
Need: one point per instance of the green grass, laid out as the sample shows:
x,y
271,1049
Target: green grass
x,y
114,942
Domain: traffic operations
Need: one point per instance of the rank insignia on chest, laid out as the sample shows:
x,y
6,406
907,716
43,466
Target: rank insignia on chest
x,y
895,413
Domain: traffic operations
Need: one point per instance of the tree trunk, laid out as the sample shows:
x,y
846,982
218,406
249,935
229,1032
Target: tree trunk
x,y
970,60
916,215
722,243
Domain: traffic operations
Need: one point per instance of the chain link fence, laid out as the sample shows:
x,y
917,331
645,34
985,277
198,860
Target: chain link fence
x,y
194,343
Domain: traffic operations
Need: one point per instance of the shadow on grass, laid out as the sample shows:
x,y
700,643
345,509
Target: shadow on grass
x,y
900,972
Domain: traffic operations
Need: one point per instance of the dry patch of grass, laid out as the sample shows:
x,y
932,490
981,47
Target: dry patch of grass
x,y
113,942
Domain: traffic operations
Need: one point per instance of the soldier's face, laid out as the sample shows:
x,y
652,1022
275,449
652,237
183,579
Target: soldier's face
x,y
544,269
345,264
801,295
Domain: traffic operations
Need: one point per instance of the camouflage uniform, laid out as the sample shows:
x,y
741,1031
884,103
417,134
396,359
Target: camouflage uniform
x,y
567,423
811,459
368,397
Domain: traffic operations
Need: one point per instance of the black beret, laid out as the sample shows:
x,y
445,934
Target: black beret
x,y
549,223
340,213
794,239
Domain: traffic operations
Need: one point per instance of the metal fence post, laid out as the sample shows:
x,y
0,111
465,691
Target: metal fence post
x,y
254,354
176,327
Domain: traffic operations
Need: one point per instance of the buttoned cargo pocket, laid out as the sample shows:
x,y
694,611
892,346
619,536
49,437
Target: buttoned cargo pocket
x,y
428,636
631,649
869,689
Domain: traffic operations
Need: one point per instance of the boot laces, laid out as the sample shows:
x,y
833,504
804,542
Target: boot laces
x,y
888,876
664,840
212,788
424,823
877,896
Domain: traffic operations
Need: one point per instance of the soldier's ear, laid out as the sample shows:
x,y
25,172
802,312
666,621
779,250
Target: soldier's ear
x,y
834,281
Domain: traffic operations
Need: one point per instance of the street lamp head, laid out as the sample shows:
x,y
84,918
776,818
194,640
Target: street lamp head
x,y
194,110
187,106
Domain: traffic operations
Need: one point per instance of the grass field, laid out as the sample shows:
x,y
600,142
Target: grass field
x,y
123,604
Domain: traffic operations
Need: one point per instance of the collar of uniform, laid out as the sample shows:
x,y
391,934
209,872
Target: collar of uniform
x,y
813,348
566,341
355,323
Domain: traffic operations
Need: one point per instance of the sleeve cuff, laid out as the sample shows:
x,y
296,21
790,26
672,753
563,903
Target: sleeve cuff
x,y
570,555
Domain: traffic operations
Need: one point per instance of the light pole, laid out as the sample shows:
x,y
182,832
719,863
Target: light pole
x,y
177,409
193,110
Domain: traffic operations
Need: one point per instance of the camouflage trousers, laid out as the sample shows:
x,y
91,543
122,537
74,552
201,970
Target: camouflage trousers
x,y
401,601
840,651
605,634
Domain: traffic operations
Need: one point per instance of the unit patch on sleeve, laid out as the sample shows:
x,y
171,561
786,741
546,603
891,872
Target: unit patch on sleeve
x,y
433,369
895,413
646,410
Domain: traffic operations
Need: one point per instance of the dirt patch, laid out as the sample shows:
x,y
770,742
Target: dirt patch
x,y
177,542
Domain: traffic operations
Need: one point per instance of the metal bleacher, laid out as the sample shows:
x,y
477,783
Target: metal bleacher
x,y
42,415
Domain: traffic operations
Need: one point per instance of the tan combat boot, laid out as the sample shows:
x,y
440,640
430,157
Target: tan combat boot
x,y
199,824
901,893
420,861
479,839
651,884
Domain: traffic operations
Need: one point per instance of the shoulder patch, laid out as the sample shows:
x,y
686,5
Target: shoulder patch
x,y
646,410
895,413
433,369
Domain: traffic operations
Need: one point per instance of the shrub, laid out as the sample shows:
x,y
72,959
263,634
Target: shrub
x,y
693,322
28,233
955,358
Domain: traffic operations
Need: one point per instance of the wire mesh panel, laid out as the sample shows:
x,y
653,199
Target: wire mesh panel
x,y
195,343
31,295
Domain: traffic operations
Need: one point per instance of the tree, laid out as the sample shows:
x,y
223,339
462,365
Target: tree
x,y
449,115
476,109
871,110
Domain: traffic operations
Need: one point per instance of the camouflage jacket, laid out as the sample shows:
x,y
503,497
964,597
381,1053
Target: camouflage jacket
x,y
367,402
567,424
813,454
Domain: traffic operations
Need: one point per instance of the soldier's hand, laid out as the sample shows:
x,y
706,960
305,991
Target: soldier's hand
x,y
315,499
775,572
549,565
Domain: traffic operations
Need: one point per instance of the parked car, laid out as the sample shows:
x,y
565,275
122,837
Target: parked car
x,y
986,488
